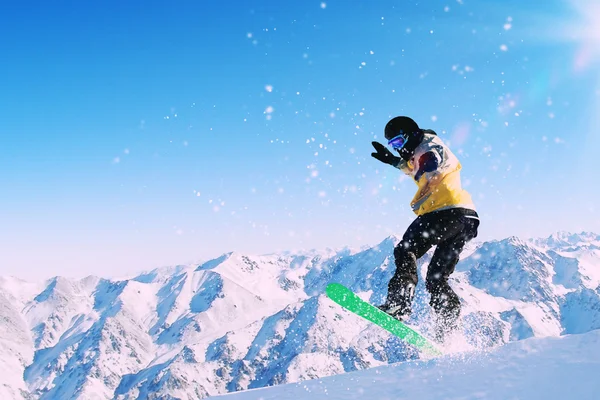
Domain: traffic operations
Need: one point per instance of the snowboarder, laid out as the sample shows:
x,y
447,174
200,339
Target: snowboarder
x,y
446,218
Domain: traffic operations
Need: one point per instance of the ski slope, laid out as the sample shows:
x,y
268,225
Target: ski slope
x,y
566,367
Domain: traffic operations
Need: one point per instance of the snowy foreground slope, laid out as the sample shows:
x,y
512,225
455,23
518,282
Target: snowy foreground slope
x,y
550,368
243,322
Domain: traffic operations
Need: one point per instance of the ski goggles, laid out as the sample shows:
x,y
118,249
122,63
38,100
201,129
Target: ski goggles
x,y
397,142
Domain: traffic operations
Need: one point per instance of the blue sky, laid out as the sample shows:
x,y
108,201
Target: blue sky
x,y
141,134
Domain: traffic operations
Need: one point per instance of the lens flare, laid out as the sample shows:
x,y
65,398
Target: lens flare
x,y
585,31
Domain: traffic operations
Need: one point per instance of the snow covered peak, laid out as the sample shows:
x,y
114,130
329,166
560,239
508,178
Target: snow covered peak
x,y
390,241
244,321
564,239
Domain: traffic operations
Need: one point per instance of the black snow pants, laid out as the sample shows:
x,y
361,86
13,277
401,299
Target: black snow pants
x,y
449,230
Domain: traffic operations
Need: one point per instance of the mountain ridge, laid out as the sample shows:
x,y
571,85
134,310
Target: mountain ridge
x,y
244,321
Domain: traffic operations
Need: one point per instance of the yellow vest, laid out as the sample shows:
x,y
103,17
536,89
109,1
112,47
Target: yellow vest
x,y
439,189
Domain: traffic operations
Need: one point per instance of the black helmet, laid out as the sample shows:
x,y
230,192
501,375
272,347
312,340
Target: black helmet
x,y
408,128
404,126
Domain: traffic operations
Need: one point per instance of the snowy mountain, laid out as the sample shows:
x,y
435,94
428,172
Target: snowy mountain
x,y
241,321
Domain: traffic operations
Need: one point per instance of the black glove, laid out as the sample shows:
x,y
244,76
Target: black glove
x,y
384,155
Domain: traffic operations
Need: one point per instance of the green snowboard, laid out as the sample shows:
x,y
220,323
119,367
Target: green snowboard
x,y
350,301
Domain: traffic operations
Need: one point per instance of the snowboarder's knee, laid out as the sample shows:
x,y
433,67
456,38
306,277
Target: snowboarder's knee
x,y
403,255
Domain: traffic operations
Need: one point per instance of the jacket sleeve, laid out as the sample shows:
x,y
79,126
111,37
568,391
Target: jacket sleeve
x,y
428,162
403,166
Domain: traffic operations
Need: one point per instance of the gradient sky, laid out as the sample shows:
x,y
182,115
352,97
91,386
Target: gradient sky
x,y
140,134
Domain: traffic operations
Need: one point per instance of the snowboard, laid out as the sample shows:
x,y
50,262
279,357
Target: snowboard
x,y
351,302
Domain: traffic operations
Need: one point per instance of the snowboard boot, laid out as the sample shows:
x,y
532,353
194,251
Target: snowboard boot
x,y
444,327
398,303
446,304
399,311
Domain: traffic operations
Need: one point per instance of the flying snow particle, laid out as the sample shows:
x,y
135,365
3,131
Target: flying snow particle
x,y
269,110
323,5
508,23
446,9
269,88
434,118
116,160
503,47
249,35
